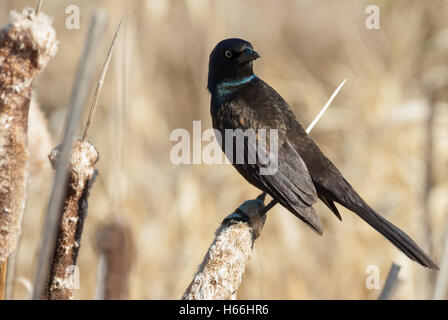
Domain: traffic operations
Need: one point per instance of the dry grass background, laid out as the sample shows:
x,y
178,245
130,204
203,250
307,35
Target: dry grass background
x,y
374,132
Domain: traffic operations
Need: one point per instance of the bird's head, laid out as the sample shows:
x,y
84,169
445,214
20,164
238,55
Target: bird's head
x,y
231,59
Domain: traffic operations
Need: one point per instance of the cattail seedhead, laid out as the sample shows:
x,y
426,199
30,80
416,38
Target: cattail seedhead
x,y
27,43
81,177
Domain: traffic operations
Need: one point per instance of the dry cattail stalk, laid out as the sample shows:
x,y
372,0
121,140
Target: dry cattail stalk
x,y
115,248
57,198
27,43
81,177
220,273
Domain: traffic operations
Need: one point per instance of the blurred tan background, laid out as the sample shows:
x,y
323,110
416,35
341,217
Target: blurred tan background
x,y
386,131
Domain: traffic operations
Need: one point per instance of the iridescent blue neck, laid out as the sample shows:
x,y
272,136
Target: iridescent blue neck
x,y
225,87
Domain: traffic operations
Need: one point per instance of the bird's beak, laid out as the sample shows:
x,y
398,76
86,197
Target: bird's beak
x,y
247,55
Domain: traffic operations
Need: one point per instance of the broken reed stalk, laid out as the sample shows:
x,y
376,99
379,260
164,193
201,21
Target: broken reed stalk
x,y
221,271
56,202
27,43
81,177
115,248
391,284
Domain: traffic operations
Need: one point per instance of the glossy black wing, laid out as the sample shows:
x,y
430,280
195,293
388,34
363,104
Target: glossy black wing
x,y
289,183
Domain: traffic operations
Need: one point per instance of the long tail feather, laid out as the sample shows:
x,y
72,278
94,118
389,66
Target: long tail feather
x,y
397,237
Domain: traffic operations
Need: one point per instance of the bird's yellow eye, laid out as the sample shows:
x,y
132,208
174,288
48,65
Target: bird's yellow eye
x,y
228,54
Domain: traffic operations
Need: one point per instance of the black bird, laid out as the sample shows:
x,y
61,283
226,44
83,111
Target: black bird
x,y
241,100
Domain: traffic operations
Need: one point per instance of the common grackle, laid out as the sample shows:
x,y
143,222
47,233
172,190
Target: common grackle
x,y
241,100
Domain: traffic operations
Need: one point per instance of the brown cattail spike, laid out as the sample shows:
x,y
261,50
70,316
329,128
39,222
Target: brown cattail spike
x,y
27,43
115,248
221,271
81,176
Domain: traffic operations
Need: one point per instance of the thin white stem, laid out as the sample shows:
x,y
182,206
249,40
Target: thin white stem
x,y
311,126
100,83
39,5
